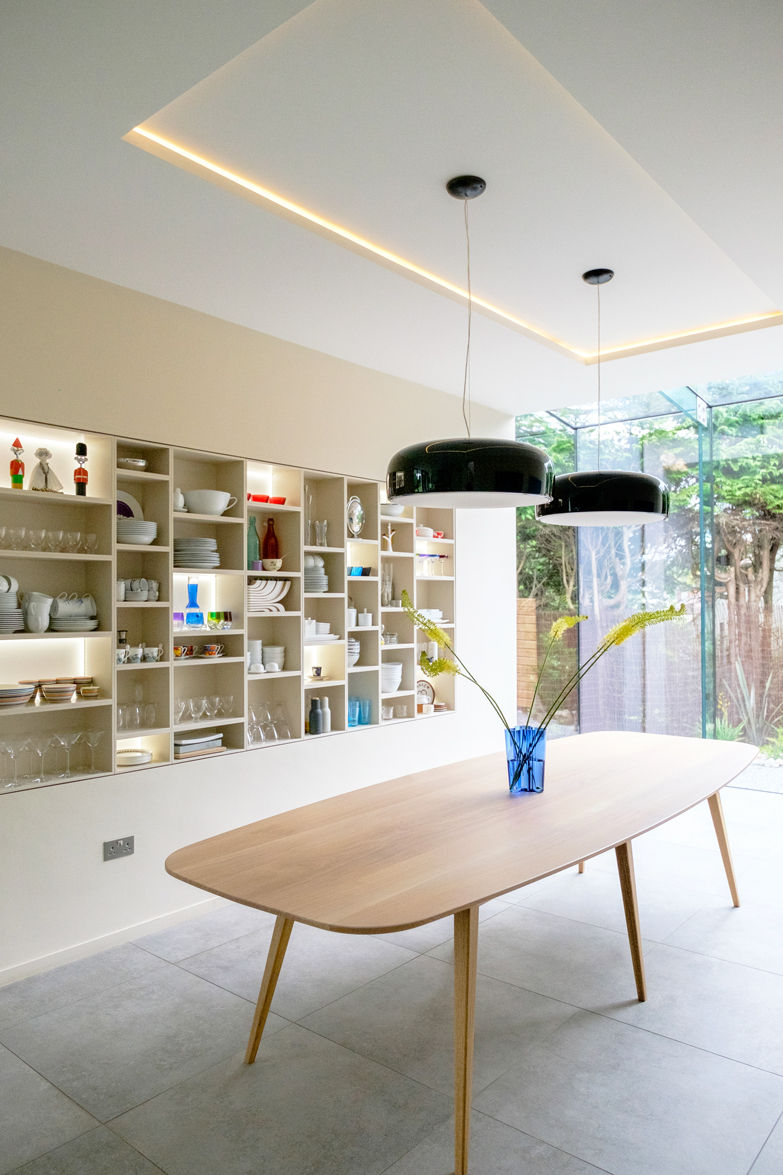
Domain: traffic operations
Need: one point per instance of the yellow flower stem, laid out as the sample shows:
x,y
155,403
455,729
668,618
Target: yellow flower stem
x,y
572,683
539,678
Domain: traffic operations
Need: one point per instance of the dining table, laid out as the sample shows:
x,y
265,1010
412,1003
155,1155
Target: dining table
x,y
444,841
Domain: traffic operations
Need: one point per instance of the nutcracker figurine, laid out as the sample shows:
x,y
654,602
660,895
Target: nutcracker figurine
x,y
80,474
17,465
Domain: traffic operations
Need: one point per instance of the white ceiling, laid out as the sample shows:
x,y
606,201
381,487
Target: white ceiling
x,y
641,137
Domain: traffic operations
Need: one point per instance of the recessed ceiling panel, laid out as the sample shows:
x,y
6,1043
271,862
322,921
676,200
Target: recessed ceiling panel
x,y
360,110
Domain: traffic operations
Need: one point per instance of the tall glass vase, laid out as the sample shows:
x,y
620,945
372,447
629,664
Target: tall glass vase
x,y
526,754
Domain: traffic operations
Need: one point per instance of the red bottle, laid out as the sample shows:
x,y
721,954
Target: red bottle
x,y
270,548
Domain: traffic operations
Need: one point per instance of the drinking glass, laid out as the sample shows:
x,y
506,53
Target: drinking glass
x,y
150,716
212,706
281,723
364,711
16,537
92,738
308,503
180,706
3,536
91,544
36,748
214,619
58,742
320,533
35,539
10,747
198,708
226,705
71,737
353,711
54,540
73,539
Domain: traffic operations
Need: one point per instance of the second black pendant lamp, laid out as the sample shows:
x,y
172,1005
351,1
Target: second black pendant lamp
x,y
469,471
604,497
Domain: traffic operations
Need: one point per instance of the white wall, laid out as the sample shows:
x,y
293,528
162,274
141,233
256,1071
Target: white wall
x,y
86,354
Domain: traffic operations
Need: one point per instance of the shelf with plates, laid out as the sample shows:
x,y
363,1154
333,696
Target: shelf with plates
x,y
325,523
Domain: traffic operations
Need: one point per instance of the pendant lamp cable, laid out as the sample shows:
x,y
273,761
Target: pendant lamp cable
x,y
466,375
598,362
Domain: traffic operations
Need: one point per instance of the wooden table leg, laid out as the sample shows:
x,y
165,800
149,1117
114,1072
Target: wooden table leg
x,y
624,855
716,811
274,961
581,866
465,954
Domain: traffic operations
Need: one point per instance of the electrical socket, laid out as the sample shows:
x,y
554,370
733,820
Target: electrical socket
x,y
117,848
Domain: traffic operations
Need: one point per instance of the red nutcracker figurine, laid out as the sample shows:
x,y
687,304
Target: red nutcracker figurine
x,y
17,465
80,474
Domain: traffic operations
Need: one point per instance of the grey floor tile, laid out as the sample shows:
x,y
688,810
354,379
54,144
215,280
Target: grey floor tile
x,y
204,931
114,1050
73,981
495,1149
723,1007
34,1116
99,1152
432,934
406,1020
319,966
770,1161
566,960
634,1103
306,1107
749,935
594,897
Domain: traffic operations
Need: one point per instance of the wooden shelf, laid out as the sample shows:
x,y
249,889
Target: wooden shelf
x,y
55,636
141,547
140,475
180,662
143,665
207,724
142,604
53,499
10,553
48,707
186,516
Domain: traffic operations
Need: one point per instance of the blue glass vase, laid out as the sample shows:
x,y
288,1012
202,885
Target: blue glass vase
x,y
526,754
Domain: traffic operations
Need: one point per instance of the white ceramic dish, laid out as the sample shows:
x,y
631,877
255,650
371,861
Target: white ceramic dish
x,y
132,462
208,501
128,506
132,758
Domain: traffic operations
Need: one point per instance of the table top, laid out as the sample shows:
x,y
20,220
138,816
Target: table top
x,y
410,850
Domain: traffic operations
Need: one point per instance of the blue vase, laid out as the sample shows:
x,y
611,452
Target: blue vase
x,y
526,754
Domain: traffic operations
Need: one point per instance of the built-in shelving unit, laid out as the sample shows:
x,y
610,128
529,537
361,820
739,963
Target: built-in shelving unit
x,y
331,633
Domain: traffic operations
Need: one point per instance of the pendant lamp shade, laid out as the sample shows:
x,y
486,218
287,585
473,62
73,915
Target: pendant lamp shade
x,y
470,472
605,497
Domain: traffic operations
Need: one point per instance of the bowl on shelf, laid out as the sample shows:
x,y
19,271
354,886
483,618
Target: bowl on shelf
x,y
16,694
394,509
391,676
59,693
138,463
135,530
208,501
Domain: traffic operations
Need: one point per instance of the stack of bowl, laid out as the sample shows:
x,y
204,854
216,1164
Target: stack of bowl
x,y
136,531
353,649
60,691
391,676
273,655
11,619
16,694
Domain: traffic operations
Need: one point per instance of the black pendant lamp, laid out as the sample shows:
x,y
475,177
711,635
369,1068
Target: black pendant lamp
x,y
604,497
469,471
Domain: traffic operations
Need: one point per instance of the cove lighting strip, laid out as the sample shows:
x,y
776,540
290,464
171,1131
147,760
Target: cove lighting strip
x,y
166,148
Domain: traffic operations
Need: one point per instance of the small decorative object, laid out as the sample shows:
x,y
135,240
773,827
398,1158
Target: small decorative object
x,y
355,515
270,548
320,533
315,717
194,617
178,500
387,585
80,474
43,477
387,538
526,745
17,465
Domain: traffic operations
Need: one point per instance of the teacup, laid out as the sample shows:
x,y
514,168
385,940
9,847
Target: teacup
x,y
272,564
208,501
135,654
212,650
121,655
183,650
317,670
153,653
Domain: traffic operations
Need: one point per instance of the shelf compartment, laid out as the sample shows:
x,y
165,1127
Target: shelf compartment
x,y
158,459
155,500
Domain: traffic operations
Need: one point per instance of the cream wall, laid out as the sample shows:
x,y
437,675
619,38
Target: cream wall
x,y
84,353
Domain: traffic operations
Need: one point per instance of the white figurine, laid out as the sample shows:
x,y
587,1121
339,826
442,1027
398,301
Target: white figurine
x,y
44,478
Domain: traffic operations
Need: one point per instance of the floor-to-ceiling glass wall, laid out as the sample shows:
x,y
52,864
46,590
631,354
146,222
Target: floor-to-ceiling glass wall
x,y
719,671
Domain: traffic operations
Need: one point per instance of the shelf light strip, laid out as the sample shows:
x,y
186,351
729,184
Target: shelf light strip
x,y
748,322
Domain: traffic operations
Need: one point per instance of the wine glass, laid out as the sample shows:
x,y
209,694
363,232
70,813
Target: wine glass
x,y
281,723
70,738
181,710
225,705
10,747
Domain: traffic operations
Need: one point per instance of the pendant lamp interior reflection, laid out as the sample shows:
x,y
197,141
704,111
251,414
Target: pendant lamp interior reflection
x,y
469,471
604,497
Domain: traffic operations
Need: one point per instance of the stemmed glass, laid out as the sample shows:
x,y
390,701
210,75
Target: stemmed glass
x,y
69,739
92,738
36,747
10,747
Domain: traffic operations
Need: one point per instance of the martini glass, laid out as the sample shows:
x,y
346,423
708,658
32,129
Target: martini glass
x,y
92,738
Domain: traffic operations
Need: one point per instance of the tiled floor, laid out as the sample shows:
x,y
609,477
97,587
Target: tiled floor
x,y
130,1062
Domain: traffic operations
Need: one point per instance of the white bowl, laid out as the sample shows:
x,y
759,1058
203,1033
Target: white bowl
x,y
207,501
393,508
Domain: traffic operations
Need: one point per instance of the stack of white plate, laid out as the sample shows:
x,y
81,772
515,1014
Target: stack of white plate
x,y
264,595
15,695
135,530
196,552
74,624
10,613
315,577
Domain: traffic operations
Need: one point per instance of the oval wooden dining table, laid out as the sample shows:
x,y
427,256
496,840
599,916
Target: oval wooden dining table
x,y
444,841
